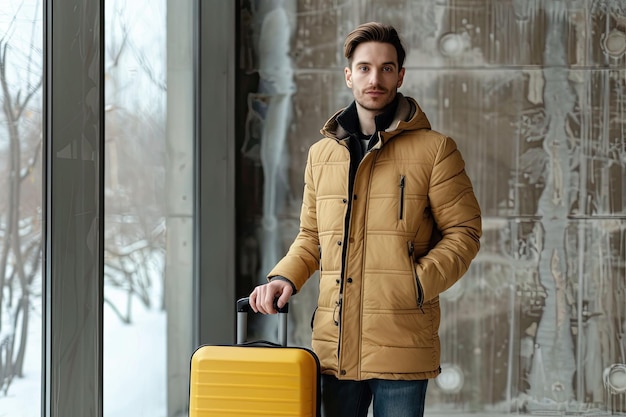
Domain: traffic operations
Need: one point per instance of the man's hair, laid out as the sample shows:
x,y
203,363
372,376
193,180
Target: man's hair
x,y
373,32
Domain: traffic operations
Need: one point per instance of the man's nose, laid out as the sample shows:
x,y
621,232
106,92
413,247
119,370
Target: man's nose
x,y
374,78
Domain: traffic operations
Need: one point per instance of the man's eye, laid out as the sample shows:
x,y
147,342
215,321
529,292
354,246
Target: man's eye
x,y
363,68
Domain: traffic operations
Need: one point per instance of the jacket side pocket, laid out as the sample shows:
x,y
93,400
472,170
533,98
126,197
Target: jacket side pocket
x,y
419,290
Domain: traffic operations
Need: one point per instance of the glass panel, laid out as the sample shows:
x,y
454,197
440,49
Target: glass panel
x,y
534,94
21,74
137,324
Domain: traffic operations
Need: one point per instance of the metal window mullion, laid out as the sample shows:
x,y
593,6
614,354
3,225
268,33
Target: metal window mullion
x,y
215,173
73,208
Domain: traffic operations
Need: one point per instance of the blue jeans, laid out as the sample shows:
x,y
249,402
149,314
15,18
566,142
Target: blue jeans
x,y
391,398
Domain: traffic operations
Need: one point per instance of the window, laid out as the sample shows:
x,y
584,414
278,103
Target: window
x,y
148,214
21,72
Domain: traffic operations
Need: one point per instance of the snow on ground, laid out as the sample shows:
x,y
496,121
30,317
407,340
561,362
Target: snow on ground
x,y
134,368
24,396
135,365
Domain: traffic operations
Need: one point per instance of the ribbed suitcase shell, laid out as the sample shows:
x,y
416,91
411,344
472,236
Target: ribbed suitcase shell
x,y
254,379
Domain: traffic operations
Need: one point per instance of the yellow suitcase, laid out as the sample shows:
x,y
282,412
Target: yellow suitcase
x,y
254,379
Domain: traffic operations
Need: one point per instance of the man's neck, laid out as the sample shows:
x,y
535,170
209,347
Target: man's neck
x,y
369,121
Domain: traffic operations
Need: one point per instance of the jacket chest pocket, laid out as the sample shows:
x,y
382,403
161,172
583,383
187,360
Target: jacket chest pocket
x,y
401,202
412,205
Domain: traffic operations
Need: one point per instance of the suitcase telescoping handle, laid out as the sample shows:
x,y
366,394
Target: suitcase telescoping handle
x,y
243,308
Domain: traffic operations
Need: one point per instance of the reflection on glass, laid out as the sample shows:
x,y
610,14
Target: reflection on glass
x,y
534,93
21,72
134,311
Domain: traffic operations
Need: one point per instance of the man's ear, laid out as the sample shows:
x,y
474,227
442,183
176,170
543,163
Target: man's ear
x,y
348,74
400,77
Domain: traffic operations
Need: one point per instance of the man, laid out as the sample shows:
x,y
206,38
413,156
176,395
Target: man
x,y
390,219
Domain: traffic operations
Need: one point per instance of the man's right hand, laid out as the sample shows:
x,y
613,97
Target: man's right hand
x,y
262,297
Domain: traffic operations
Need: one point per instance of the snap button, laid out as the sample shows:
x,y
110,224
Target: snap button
x,y
343,372
350,280
339,242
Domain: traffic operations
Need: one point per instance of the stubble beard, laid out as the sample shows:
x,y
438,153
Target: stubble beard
x,y
378,106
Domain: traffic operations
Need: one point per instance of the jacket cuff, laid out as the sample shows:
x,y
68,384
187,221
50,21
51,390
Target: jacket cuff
x,y
281,278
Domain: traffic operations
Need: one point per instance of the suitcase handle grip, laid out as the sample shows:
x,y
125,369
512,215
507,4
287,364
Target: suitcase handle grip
x,y
243,308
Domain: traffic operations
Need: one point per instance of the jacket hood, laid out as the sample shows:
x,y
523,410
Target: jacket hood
x,y
409,116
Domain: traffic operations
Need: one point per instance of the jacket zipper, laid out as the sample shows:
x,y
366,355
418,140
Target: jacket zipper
x,y
418,285
339,303
401,212
319,248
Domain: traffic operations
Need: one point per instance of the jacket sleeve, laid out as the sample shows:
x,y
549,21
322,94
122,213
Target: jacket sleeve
x,y
302,259
458,218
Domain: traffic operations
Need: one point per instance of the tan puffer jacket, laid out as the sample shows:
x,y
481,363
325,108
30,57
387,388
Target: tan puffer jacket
x,y
378,309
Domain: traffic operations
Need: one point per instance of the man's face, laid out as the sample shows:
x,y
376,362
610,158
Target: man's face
x,y
374,76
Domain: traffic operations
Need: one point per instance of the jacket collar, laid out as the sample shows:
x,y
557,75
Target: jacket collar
x,y
349,118
408,116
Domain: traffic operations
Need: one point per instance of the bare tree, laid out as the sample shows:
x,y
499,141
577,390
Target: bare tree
x,y
135,223
20,225
134,180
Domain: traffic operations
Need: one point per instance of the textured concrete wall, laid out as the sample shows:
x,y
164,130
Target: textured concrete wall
x,y
534,94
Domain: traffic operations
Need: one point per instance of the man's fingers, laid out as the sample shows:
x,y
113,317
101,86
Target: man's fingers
x,y
269,301
263,292
252,300
263,298
257,300
284,296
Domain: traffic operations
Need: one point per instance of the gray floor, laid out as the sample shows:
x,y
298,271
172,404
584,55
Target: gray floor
x,y
435,413
483,414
